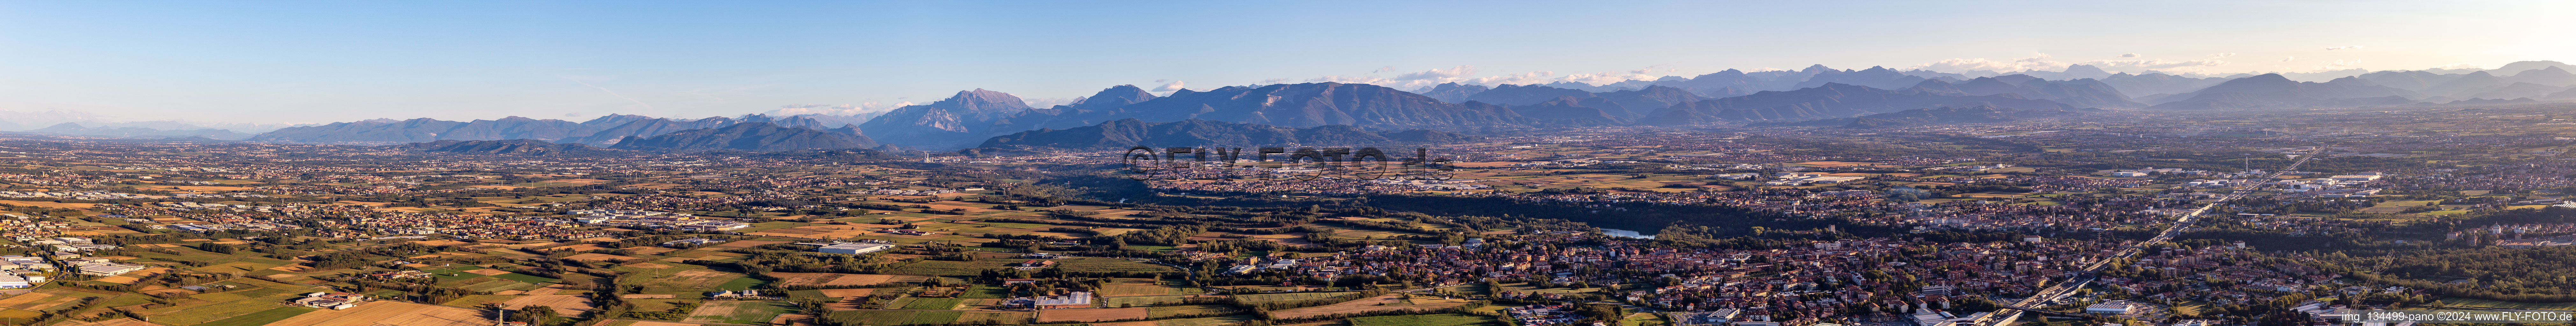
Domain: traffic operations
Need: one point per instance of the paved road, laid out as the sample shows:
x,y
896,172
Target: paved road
x,y
2059,291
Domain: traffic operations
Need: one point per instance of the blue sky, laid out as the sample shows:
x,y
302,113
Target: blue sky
x,y
341,61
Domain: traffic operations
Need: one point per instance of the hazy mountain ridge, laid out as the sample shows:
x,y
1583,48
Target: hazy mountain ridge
x,y
69,128
1940,115
746,136
513,147
1124,133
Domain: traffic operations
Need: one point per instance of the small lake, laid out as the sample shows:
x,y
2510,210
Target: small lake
x,y
1626,234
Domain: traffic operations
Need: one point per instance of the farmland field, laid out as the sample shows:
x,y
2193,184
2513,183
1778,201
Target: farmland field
x,y
934,303
1166,312
389,313
897,317
736,312
1424,320
1143,301
1290,296
260,318
1363,305
1210,321
1090,315
997,318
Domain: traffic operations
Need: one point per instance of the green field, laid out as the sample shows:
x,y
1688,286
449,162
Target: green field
x,y
1142,301
1200,310
975,268
996,318
526,278
201,313
980,291
934,303
472,301
1210,321
260,318
496,285
1291,296
737,312
1424,320
897,317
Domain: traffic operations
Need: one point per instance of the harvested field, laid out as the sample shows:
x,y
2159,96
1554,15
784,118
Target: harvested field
x,y
389,313
651,250
648,265
644,296
1090,315
1364,305
790,279
488,272
566,304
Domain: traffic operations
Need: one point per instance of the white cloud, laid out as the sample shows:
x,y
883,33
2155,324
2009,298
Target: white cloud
x,y
863,108
2338,65
2332,48
1451,73
2222,55
2289,58
2034,62
2043,62
1174,86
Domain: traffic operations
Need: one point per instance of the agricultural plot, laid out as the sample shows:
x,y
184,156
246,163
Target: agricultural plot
x,y
1209,321
972,268
934,303
997,318
1424,320
261,318
1390,302
898,317
795,279
1291,296
1090,315
565,304
1143,301
389,313
736,312
1198,310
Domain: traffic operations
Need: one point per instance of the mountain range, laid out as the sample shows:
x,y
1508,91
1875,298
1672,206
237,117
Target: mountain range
x,y
512,147
1125,133
1940,115
975,118
747,136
